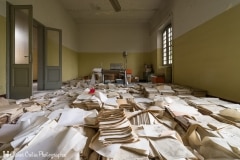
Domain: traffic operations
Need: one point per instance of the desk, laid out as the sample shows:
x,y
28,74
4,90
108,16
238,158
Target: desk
x,y
113,74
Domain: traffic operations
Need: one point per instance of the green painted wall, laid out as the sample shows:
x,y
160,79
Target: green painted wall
x,y
208,57
2,55
136,61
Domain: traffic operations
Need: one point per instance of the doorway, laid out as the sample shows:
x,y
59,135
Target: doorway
x,y
34,54
19,51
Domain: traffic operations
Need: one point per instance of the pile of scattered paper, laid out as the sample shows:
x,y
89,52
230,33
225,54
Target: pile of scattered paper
x,y
114,127
213,144
87,101
165,90
150,91
114,122
10,112
125,104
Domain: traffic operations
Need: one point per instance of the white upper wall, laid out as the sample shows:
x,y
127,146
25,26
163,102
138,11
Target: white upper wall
x,y
51,14
159,21
100,38
188,14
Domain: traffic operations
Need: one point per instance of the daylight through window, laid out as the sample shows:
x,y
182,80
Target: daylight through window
x,y
167,45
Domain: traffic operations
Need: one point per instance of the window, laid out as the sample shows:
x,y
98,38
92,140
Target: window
x,y
167,45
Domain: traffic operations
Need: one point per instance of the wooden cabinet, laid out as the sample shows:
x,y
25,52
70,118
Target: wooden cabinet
x,y
112,75
158,79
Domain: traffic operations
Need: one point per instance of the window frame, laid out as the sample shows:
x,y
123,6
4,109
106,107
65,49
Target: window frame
x,y
167,46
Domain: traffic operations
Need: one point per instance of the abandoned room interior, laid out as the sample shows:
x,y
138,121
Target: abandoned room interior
x,y
119,79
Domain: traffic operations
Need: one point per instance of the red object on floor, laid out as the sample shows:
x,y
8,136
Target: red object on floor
x,y
92,91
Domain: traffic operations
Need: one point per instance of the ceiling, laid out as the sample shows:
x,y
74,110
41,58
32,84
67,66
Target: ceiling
x,y
101,11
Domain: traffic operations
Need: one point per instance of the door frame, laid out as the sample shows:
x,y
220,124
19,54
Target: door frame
x,y
8,31
40,57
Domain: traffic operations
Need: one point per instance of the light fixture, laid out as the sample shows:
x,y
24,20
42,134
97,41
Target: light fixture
x,y
115,4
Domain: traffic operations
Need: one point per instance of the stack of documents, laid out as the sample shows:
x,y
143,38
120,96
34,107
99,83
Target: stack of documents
x,y
209,108
10,113
142,103
110,103
150,92
180,90
87,101
164,143
178,109
165,90
126,96
199,101
123,103
223,143
3,118
114,127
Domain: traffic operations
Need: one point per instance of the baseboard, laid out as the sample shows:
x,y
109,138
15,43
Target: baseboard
x,y
3,95
227,100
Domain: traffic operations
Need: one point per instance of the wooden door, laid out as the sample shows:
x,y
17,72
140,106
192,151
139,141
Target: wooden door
x,y
19,51
53,58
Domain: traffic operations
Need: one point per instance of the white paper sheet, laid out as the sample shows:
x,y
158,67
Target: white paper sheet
x,y
29,131
143,100
232,106
53,141
140,147
172,149
108,151
101,96
171,99
44,144
73,116
55,114
180,109
8,131
72,139
152,130
31,115
111,102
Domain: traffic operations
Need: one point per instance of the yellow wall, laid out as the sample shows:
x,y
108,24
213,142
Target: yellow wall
x,y
154,59
69,64
136,61
208,57
2,55
158,67
157,61
52,51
